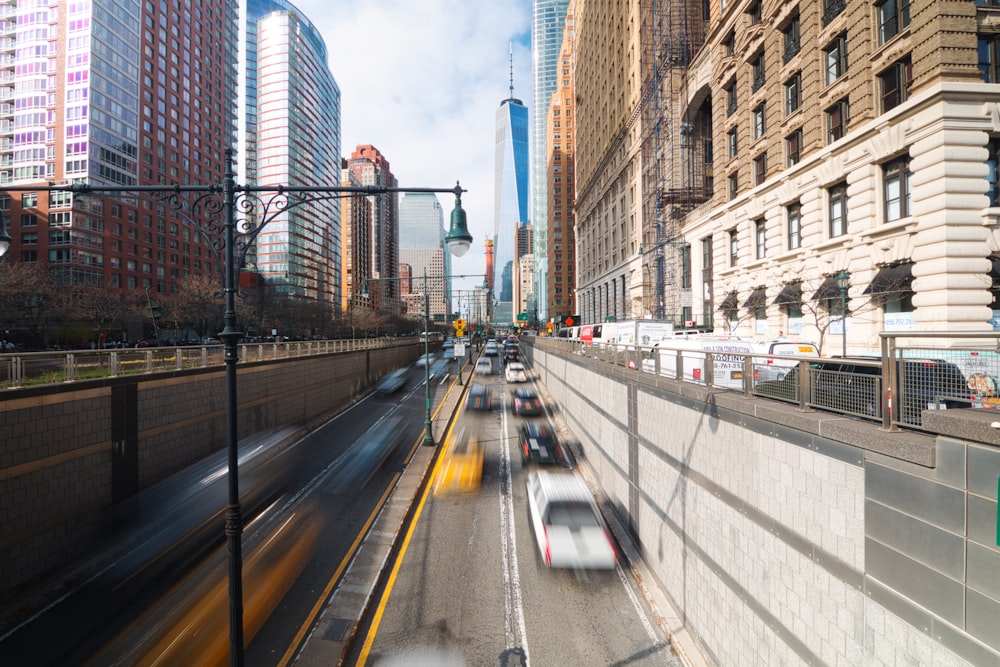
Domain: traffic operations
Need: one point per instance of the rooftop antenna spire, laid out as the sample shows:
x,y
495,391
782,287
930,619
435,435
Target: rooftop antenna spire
x,y
511,48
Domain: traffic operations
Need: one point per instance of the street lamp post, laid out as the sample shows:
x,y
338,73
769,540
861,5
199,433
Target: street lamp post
x,y
843,281
201,207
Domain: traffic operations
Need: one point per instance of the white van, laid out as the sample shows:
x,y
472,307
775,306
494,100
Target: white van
x,y
729,356
568,527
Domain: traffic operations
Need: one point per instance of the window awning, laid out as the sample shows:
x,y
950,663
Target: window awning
x,y
790,293
828,290
730,302
757,299
892,280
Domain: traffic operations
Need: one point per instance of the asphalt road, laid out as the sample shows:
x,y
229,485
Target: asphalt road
x,y
471,588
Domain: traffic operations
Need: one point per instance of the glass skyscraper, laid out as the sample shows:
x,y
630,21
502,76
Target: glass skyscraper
x,y
548,17
290,99
510,209
422,248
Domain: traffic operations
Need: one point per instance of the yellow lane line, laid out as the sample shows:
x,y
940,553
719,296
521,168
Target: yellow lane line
x,y
328,590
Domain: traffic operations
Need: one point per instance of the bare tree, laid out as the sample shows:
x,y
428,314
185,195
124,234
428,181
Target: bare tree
x,y
29,301
103,310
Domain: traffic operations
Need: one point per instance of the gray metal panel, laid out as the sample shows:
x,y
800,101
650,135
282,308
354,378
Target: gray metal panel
x,y
928,588
984,571
964,646
984,468
899,605
984,619
935,503
983,521
949,461
936,548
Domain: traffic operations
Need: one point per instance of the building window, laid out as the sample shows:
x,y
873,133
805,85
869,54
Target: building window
x,y
832,9
836,121
29,220
792,38
793,147
754,12
760,234
760,169
794,214
759,118
729,44
895,82
759,79
896,189
893,17
29,200
989,58
734,248
793,93
993,166
731,99
733,181
837,195
835,57
731,145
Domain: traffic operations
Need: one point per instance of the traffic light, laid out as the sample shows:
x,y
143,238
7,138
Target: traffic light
x,y
572,320
549,327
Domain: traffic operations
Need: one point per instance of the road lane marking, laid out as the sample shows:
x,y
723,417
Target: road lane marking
x,y
513,602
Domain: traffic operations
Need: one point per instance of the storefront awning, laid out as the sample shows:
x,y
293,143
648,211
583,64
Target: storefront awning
x,y
828,290
757,299
790,293
730,302
892,280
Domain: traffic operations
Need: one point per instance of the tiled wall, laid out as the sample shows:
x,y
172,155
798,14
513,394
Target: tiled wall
x,y
780,546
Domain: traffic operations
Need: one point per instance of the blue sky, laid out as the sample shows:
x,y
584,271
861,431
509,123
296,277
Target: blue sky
x,y
422,81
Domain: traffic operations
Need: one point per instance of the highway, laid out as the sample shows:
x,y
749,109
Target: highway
x,y
156,591
470,587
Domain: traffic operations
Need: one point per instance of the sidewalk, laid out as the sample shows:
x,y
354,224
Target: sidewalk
x,y
338,622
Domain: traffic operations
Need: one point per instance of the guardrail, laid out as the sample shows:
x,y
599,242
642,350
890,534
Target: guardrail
x,y
43,368
914,372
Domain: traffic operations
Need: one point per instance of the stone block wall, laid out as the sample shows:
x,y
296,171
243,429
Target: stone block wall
x,y
787,537
68,453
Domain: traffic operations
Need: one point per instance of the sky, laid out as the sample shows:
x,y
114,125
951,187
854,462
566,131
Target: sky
x,y
422,82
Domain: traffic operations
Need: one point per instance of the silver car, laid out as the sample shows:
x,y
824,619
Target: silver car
x,y
568,527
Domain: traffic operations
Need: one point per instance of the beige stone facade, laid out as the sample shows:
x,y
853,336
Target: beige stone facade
x,y
853,138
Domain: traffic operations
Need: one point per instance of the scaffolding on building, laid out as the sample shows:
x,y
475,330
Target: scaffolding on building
x,y
677,155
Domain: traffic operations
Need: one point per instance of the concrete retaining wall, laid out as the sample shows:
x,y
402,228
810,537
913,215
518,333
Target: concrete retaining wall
x,y
788,537
68,453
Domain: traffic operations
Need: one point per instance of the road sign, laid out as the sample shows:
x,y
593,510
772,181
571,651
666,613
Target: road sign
x,y
460,323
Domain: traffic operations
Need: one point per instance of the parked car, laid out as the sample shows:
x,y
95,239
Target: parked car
x,y
515,372
479,398
854,385
393,382
526,402
539,444
569,529
484,366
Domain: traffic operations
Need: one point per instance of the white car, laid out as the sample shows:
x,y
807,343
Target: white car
x,y
515,372
484,366
568,527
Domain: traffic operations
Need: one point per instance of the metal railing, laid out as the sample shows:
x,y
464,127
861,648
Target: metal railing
x,y
47,368
915,372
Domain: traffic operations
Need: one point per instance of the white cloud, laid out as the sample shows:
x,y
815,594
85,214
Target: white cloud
x,y
422,81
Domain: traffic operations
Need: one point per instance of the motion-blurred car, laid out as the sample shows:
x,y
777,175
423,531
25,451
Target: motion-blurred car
x,y
439,368
511,354
392,382
491,350
538,444
527,403
515,372
484,366
479,398
424,359
568,527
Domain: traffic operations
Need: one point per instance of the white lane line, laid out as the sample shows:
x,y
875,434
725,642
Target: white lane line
x,y
513,603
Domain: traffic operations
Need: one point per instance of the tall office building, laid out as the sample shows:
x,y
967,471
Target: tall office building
x,y
560,291
105,91
370,167
510,209
290,100
547,26
355,236
422,248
